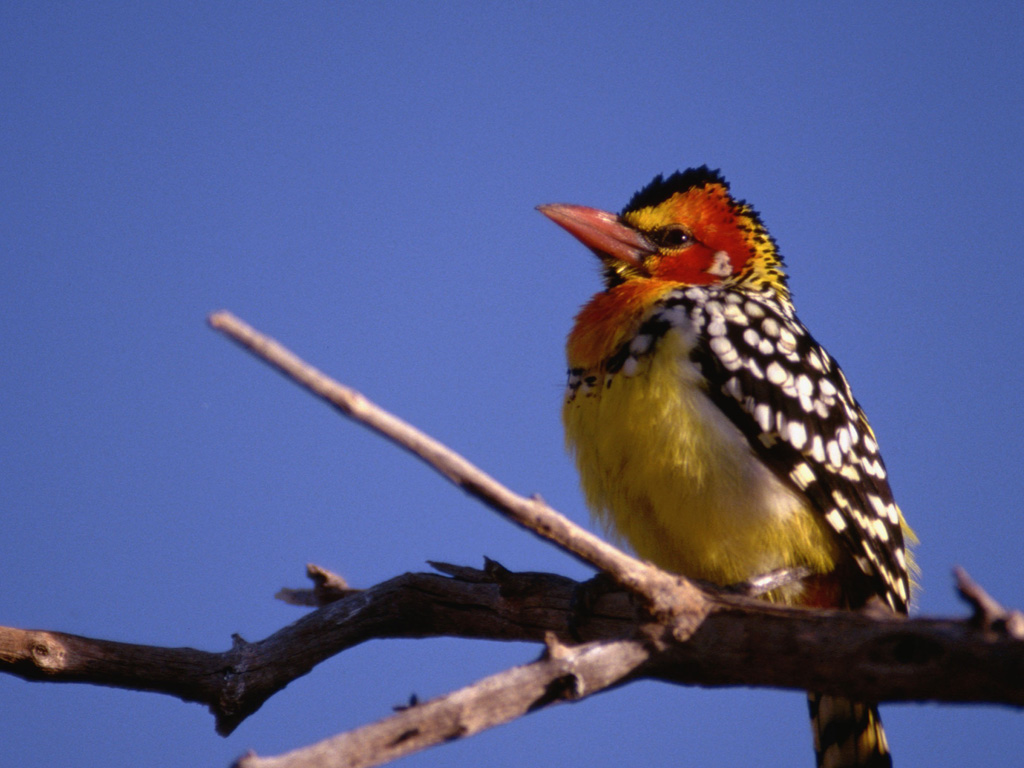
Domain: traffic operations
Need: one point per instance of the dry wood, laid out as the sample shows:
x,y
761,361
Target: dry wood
x,y
741,642
670,597
661,627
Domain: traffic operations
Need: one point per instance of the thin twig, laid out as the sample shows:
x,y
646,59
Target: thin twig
x,y
670,597
988,613
563,674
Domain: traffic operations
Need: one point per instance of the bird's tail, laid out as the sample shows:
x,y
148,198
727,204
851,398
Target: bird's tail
x,y
847,734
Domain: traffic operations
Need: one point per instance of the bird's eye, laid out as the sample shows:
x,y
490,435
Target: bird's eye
x,y
673,237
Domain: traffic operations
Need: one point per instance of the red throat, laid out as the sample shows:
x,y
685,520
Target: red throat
x,y
610,319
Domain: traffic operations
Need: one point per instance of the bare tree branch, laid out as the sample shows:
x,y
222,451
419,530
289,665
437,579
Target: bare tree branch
x,y
563,674
235,683
670,597
741,642
661,627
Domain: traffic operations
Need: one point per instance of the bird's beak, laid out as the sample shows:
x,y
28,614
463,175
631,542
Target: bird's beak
x,y
601,232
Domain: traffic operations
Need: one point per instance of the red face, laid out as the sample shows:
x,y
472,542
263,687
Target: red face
x,y
696,237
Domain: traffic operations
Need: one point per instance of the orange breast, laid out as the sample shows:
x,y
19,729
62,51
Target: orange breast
x,y
610,319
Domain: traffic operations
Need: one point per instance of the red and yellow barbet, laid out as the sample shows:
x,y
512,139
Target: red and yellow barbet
x,y
714,434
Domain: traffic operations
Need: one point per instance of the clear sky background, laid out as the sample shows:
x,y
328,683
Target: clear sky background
x,y
358,180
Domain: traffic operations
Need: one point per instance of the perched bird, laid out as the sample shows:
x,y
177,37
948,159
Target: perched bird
x,y
714,434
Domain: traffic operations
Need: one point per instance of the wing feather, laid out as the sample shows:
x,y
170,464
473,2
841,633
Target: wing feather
x,y
793,403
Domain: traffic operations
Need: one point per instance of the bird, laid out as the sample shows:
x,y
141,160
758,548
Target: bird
x,y
712,432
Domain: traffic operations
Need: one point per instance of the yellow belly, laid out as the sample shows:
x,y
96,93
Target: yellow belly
x,y
664,469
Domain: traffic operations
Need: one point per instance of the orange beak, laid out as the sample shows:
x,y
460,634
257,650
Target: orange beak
x,y
601,232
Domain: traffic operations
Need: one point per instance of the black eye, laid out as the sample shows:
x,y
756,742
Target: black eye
x,y
673,237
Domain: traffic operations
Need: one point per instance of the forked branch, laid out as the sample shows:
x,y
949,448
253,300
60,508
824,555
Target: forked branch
x,y
656,626
670,597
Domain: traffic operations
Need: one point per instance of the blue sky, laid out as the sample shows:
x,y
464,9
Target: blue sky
x,y
358,180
